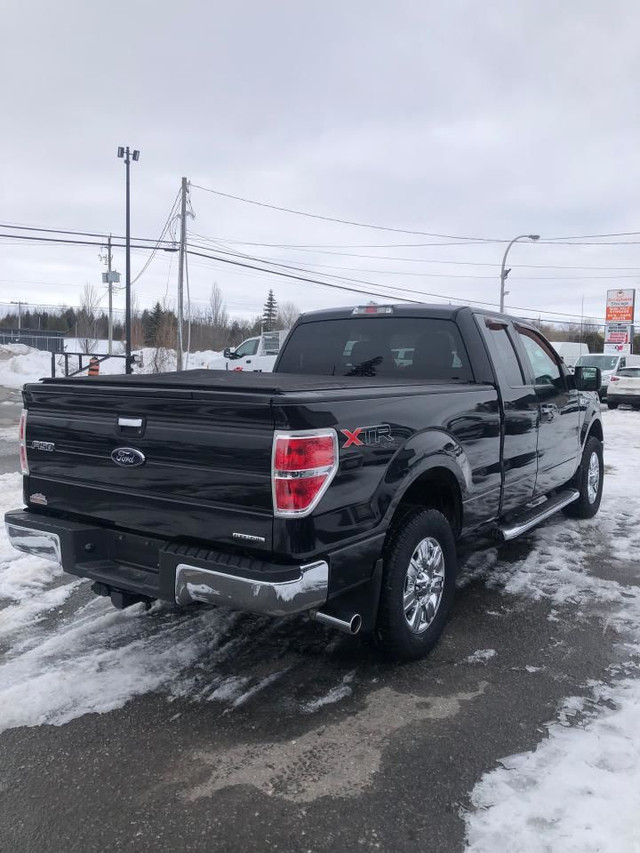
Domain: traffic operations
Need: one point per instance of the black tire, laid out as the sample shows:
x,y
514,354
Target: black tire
x,y
394,635
587,505
612,405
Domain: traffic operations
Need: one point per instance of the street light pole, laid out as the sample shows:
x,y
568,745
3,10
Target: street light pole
x,y
505,272
127,155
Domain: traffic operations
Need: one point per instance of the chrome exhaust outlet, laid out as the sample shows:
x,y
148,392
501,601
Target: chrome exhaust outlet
x,y
351,625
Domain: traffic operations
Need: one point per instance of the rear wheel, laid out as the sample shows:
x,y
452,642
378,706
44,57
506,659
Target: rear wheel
x,y
611,405
589,481
418,585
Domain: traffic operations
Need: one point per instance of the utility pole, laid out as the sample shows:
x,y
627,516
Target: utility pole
x,y
110,334
19,304
110,278
127,156
183,245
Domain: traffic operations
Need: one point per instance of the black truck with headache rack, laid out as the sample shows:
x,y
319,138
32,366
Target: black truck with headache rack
x,y
336,485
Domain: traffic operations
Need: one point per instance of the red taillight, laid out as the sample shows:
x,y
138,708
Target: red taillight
x,y
615,379
299,454
303,466
22,436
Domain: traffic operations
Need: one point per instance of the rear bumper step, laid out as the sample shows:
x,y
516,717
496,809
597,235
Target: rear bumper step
x,y
304,592
153,568
527,520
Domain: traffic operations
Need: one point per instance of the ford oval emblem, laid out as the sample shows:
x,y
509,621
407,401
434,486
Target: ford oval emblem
x,y
128,457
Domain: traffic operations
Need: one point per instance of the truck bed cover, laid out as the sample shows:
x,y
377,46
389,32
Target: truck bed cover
x,y
228,380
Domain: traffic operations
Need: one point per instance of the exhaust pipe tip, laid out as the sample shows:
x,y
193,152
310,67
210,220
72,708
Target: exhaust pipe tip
x,y
349,625
355,624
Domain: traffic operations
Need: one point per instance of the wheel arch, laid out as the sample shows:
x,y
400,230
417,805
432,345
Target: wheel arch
x,y
438,488
594,429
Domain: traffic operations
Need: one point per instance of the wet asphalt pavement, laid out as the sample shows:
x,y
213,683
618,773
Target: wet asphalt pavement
x,y
389,766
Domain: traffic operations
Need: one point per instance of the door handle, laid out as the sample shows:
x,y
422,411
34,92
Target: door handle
x,y
548,413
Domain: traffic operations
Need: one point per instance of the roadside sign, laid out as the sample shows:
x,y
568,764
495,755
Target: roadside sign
x,y
618,333
620,306
617,349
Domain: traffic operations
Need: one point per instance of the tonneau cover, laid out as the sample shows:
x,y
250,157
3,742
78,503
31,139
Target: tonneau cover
x,y
230,380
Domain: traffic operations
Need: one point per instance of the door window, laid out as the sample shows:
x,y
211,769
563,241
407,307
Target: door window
x,y
546,370
249,347
504,353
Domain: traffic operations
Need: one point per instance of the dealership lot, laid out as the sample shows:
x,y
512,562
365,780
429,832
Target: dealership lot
x,y
209,730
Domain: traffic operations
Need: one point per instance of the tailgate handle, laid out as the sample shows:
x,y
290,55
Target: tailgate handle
x,y
134,423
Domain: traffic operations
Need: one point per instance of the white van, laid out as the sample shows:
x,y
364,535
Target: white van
x,y
609,363
570,351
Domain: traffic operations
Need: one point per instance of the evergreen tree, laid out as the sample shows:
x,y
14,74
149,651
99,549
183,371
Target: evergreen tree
x,y
151,323
270,313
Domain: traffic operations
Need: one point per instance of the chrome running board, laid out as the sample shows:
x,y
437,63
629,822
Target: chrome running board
x,y
539,513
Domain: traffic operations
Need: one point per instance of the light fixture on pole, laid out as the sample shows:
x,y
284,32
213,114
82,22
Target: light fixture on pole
x,y
505,272
127,156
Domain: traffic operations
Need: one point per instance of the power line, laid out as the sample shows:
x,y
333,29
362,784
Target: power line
x,y
343,221
360,290
445,274
73,233
165,228
494,264
376,227
66,241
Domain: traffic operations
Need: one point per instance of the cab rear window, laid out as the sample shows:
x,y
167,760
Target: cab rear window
x,y
393,347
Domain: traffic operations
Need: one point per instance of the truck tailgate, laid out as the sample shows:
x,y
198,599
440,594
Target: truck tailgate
x,y
206,458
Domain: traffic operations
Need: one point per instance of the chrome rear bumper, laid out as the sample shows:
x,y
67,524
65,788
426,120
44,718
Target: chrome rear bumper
x,y
153,568
39,543
306,592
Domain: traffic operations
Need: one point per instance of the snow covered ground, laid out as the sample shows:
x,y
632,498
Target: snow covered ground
x,y
67,654
579,791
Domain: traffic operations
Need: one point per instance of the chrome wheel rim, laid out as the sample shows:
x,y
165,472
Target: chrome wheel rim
x,y
593,478
423,585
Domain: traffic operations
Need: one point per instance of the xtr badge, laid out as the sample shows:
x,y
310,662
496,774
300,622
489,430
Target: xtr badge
x,y
367,435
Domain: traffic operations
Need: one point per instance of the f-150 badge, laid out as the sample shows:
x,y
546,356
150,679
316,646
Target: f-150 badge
x,y
367,435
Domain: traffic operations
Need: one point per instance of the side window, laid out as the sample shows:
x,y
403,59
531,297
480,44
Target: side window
x,y
249,347
545,368
504,353
623,363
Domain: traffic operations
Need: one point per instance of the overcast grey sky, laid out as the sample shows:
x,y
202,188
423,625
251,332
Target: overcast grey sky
x,y
456,117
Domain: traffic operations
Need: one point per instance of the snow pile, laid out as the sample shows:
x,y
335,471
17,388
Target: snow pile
x,y
20,364
579,792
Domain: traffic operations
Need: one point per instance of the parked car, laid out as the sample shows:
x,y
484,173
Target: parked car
x,y
570,351
337,485
624,388
257,353
609,365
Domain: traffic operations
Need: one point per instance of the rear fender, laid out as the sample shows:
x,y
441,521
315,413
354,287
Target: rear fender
x,y
424,452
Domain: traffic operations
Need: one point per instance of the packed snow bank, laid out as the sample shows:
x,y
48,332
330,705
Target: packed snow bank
x,y
20,364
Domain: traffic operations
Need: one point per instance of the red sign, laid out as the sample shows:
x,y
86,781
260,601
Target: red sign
x,y
620,306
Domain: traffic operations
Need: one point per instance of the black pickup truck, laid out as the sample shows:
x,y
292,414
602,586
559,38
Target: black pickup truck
x,y
336,485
